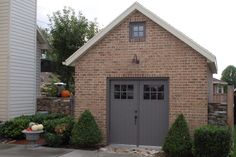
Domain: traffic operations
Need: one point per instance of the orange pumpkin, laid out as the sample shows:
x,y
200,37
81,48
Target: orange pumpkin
x,y
65,93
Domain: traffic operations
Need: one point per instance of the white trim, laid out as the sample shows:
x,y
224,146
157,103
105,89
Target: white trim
x,y
136,6
44,45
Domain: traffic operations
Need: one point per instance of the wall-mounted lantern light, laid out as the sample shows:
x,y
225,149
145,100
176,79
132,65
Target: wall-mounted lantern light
x,y
135,59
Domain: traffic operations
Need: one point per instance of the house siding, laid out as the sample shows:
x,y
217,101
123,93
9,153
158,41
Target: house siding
x,y
4,38
160,55
22,66
38,69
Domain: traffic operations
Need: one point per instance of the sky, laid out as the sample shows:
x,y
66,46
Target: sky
x,y
210,23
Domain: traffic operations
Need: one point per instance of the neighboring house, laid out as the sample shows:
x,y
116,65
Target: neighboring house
x,y
42,46
219,86
138,74
19,41
219,93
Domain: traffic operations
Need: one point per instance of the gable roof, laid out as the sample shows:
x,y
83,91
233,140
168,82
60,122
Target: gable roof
x,y
217,81
211,59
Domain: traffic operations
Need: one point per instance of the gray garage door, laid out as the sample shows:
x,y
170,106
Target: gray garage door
x,y
138,112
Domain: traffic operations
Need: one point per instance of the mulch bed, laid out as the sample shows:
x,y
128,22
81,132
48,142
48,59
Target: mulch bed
x,y
41,141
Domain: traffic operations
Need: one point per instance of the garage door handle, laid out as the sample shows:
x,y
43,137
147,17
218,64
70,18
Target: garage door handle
x,y
135,119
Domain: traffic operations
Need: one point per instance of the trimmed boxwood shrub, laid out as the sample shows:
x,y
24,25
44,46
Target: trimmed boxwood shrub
x,y
86,132
212,141
178,141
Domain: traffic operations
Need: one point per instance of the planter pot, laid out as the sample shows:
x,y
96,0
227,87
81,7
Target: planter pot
x,y
32,136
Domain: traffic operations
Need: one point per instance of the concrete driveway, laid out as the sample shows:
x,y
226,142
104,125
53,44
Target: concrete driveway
x,y
11,150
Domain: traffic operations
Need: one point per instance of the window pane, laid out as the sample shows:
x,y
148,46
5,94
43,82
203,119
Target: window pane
x,y
153,96
140,28
154,88
160,96
116,95
135,28
130,95
135,34
123,95
130,87
123,87
117,87
161,88
146,96
140,34
146,88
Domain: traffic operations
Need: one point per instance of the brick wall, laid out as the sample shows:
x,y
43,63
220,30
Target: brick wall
x,y
161,55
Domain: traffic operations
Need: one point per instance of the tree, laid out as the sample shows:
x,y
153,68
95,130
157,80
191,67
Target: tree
x,y
68,32
229,75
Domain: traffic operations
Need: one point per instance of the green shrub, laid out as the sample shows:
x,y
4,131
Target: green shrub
x,y
58,129
178,141
212,141
13,128
86,133
53,140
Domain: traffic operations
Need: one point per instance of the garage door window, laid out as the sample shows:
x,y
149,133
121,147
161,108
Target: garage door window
x,y
153,92
123,91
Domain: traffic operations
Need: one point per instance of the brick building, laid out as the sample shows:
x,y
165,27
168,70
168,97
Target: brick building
x,y
138,74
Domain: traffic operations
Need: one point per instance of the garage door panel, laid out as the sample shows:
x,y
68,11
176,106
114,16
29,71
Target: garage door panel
x,y
122,111
153,111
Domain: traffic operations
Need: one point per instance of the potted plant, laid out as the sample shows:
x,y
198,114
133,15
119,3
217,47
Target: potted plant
x,y
32,133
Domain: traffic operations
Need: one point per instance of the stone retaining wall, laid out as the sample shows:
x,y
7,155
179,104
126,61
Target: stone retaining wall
x,y
217,114
56,105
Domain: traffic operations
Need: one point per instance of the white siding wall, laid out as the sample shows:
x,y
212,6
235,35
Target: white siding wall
x,y
38,69
22,71
4,38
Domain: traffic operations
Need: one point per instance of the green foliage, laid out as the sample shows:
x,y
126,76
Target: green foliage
x,y
13,128
178,141
53,140
58,130
86,133
50,89
234,141
68,32
212,141
229,75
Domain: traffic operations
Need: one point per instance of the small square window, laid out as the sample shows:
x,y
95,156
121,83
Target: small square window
x,y
123,95
146,88
123,88
137,30
130,95
160,96
117,95
117,87
153,96
146,96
